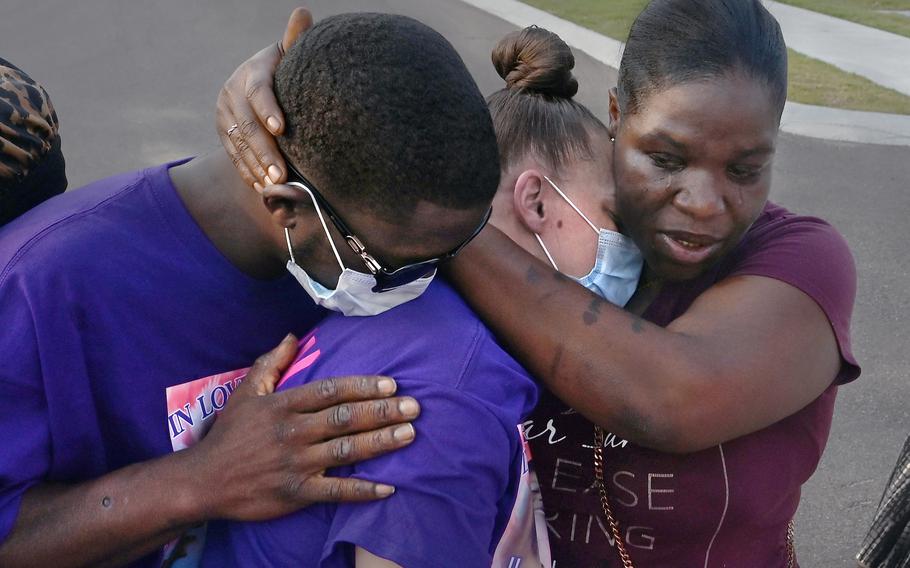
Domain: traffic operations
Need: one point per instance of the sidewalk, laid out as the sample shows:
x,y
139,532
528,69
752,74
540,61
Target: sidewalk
x,y
805,120
882,57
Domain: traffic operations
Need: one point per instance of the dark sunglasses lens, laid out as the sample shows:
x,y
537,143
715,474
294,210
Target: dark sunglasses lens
x,y
404,275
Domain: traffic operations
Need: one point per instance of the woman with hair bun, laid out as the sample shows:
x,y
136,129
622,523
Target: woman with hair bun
x,y
555,195
676,432
555,200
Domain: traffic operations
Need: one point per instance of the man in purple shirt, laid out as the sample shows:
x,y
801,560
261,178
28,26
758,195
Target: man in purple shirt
x,y
113,293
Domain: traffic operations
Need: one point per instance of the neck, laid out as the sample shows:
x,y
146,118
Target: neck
x,y
231,214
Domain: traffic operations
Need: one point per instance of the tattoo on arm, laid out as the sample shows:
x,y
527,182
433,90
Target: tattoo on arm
x,y
557,359
592,314
638,324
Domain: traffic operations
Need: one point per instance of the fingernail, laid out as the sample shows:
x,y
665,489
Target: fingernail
x,y
384,490
274,124
386,386
403,433
269,180
288,338
408,407
257,186
274,172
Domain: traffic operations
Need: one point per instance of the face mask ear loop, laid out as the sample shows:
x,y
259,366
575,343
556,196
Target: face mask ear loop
x,y
321,220
546,252
287,237
572,205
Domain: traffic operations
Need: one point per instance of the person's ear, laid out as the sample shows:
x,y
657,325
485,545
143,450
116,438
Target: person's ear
x,y
615,114
285,203
527,199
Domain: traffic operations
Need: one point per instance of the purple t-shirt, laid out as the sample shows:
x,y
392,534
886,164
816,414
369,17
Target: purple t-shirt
x,y
455,484
109,294
725,506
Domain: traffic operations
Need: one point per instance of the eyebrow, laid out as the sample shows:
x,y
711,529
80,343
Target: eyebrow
x,y
667,139
759,151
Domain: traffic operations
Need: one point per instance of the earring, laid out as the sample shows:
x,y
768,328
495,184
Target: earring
x,y
612,139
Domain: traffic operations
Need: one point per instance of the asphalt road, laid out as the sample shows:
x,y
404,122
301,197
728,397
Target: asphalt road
x,y
135,83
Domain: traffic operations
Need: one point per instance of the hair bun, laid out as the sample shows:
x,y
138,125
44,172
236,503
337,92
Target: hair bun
x,y
537,60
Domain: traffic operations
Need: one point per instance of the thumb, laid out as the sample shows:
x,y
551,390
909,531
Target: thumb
x,y
300,21
268,369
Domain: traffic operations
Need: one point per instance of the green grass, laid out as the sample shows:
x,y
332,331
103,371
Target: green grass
x,y
866,12
811,81
612,18
815,82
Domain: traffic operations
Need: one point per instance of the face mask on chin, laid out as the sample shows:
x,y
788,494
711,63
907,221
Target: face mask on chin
x,y
617,266
353,294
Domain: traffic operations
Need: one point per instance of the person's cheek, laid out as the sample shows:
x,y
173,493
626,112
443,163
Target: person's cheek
x,y
642,182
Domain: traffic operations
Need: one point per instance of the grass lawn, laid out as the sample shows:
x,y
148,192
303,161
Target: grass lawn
x,y
866,12
815,82
811,81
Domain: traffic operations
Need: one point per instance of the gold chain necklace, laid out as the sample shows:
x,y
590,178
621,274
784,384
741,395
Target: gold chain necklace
x,y
614,525
604,502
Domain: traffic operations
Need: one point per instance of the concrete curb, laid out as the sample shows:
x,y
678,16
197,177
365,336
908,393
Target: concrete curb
x,y
846,125
804,120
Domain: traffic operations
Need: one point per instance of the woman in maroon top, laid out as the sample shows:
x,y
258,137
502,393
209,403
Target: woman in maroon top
x,y
713,391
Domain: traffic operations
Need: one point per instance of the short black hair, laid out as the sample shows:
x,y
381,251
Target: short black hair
x,y
677,41
383,112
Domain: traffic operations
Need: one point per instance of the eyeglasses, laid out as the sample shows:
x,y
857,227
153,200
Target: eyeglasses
x,y
386,278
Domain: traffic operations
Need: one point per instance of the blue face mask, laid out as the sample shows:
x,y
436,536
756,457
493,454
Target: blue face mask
x,y
617,266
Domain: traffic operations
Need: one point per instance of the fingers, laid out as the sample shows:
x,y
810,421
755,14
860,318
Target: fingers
x,y
252,148
345,490
307,488
300,21
358,447
244,160
225,127
322,394
252,107
348,418
248,115
261,98
257,146
260,107
267,370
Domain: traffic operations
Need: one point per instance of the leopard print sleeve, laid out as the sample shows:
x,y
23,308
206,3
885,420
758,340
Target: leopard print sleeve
x,y
28,122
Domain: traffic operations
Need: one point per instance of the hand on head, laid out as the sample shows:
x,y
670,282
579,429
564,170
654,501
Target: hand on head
x,y
247,114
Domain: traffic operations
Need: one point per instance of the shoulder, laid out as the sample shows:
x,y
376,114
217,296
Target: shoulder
x,y
433,343
436,331
74,224
779,227
808,254
799,234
